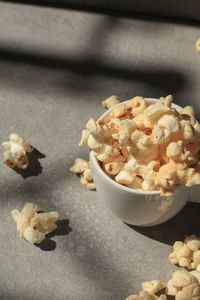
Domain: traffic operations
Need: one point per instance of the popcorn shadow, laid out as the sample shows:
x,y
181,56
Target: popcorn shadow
x,y
34,167
63,229
186,222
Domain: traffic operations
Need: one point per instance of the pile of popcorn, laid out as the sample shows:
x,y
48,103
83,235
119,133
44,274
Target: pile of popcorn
x,y
187,254
183,285
34,226
146,146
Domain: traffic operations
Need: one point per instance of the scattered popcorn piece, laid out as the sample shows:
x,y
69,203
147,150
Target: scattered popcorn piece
x,y
152,287
34,226
184,286
111,101
83,167
15,154
187,253
198,45
80,165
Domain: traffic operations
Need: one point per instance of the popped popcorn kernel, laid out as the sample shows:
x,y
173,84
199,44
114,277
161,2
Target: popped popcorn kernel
x,y
187,253
183,286
118,111
152,287
166,100
111,101
124,177
138,105
34,226
15,154
83,168
169,122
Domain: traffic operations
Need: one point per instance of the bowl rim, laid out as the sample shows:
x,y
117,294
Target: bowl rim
x,y
113,182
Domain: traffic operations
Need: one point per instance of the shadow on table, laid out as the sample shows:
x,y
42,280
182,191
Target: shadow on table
x,y
184,223
34,167
63,229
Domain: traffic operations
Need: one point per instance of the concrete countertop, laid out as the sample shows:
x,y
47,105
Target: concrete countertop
x,y
56,66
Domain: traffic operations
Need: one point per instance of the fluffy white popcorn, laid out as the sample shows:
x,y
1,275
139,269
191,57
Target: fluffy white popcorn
x,y
160,134
138,105
197,45
174,150
83,168
187,253
152,287
34,226
169,122
111,101
84,138
167,100
114,168
184,286
156,111
118,111
142,121
188,130
124,177
15,154
131,165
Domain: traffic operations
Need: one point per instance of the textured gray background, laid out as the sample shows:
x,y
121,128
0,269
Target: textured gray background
x,y
55,68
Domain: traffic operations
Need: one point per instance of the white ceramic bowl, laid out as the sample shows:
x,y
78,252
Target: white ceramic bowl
x,y
136,207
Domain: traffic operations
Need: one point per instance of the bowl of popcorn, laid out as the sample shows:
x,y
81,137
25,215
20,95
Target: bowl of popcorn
x,y
144,158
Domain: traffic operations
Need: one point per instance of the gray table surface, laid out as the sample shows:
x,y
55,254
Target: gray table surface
x,y
55,68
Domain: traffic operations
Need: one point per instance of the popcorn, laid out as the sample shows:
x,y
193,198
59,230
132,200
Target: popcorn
x,y
184,286
160,134
187,253
34,226
138,105
198,45
111,101
124,177
156,111
142,121
167,100
83,167
15,154
118,111
188,110
147,147
84,138
152,287
169,122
